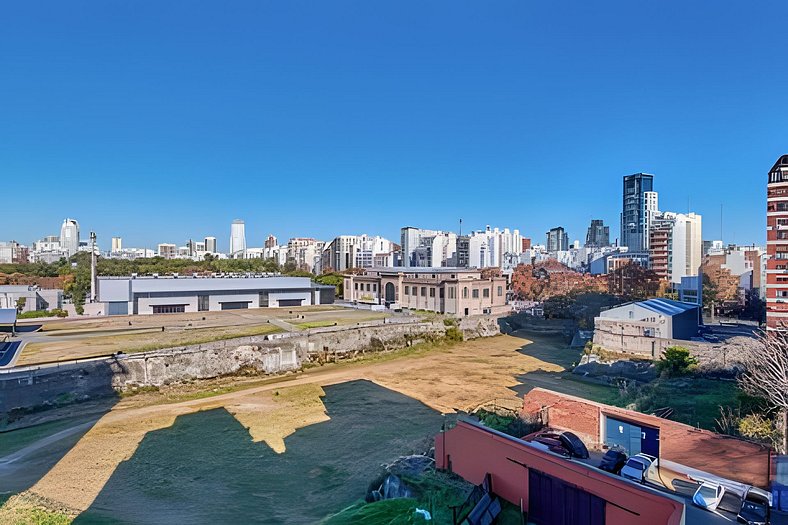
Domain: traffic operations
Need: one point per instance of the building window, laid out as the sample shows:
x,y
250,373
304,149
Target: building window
x,y
500,291
367,286
782,206
407,290
202,303
424,291
475,293
465,292
432,292
169,308
356,286
374,287
486,293
441,293
451,292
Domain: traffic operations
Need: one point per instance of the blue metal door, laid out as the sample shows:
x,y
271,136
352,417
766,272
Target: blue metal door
x,y
650,442
624,435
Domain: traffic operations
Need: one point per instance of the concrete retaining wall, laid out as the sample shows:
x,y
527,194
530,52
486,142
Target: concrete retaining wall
x,y
269,354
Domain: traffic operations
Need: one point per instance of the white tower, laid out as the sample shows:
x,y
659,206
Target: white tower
x,y
69,237
238,239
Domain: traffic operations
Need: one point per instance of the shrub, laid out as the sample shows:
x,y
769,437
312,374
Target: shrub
x,y
677,361
454,334
760,428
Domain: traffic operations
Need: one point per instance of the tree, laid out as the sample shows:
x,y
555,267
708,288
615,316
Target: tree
x,y
677,361
766,374
634,282
20,304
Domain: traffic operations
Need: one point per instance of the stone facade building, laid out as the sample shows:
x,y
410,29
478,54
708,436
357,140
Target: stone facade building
x,y
456,291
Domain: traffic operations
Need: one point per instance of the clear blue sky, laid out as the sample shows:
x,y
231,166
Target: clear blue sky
x,y
160,120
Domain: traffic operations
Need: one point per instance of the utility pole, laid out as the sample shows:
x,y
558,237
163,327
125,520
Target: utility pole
x,y
92,267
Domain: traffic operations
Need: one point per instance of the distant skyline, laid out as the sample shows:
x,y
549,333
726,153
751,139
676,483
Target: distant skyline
x,y
164,121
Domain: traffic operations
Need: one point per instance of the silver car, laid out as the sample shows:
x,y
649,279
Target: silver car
x,y
709,495
636,468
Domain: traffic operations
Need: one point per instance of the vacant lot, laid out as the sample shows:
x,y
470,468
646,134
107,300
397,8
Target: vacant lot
x,y
70,339
444,378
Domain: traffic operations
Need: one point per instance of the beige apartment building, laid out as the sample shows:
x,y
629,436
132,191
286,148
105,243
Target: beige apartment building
x,y
455,291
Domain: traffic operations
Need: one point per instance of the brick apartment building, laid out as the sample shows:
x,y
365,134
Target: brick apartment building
x,y
777,245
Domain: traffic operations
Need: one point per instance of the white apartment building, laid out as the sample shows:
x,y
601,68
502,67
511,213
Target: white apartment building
x,y
167,250
683,248
237,239
354,251
305,252
495,247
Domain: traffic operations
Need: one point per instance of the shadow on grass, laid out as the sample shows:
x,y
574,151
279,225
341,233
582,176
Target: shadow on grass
x,y
206,469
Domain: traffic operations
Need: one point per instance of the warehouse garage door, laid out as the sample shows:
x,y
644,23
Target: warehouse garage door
x,y
235,305
631,437
552,501
291,302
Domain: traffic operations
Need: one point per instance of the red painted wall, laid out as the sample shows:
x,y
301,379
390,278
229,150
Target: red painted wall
x,y
724,456
475,451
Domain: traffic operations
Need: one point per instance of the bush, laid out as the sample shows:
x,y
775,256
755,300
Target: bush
x,y
454,334
56,312
760,428
677,361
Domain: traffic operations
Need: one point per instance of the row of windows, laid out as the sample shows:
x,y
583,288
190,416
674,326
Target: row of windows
x,y
360,286
474,292
777,206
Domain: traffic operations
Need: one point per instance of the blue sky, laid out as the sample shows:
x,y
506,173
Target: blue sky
x,y
160,120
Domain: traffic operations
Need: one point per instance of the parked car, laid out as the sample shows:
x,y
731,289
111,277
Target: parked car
x,y
709,495
559,441
755,507
636,468
613,460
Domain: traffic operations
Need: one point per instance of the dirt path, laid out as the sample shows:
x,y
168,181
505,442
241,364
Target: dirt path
x,y
459,377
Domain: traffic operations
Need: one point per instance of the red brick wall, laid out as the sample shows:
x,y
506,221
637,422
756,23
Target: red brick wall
x,y
700,449
475,451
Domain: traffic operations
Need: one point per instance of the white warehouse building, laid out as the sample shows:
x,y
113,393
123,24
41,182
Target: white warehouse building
x,y
160,295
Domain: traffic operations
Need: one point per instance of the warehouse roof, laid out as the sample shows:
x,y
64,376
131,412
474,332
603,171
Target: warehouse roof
x,y
667,306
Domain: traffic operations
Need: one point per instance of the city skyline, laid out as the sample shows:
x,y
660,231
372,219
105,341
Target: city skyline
x,y
374,99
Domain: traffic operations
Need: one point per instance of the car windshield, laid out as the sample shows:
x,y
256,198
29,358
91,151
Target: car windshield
x,y
708,492
753,509
636,464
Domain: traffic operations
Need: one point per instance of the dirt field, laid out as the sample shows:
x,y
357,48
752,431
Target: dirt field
x,y
445,378
71,339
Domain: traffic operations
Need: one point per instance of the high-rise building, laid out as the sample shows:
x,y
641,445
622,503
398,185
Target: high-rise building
x,y
69,237
167,250
210,244
598,234
557,240
117,244
639,205
238,239
271,242
676,245
777,245
411,239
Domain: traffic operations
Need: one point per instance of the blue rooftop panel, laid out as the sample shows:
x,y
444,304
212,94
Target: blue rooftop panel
x,y
667,306
7,315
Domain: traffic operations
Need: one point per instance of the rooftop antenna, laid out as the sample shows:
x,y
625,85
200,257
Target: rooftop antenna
x,y
460,227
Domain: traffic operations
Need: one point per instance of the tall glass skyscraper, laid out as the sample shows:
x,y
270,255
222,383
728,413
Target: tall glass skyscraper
x,y
639,206
238,239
